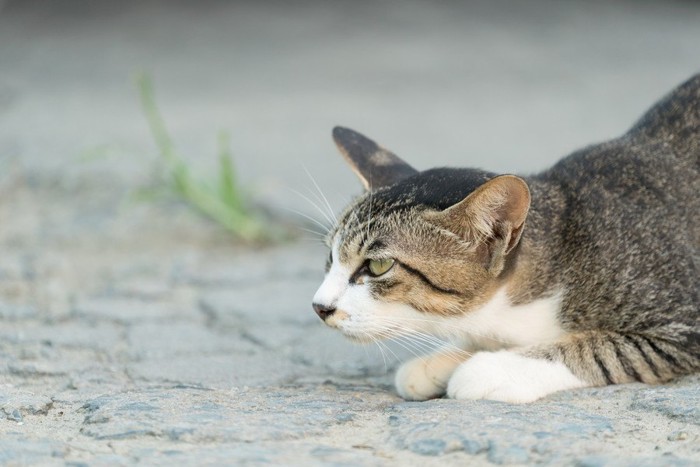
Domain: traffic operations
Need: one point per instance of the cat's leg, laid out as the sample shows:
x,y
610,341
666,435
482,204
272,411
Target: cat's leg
x,y
509,376
426,377
580,360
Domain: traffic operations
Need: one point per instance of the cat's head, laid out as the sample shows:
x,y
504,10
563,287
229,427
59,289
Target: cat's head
x,y
416,246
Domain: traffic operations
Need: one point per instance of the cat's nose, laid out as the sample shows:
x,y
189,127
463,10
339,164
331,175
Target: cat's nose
x,y
323,311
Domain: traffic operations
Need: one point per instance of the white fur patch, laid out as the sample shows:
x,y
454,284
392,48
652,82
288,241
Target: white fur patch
x,y
426,377
505,325
508,377
335,283
503,375
359,315
412,382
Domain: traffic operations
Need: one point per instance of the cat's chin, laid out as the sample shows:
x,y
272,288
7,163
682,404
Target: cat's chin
x,y
361,338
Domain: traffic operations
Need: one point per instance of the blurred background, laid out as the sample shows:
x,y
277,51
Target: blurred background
x,y
506,86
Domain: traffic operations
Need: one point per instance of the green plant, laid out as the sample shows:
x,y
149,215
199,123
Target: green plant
x,y
221,199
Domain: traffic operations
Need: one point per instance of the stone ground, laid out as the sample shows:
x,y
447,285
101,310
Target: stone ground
x,y
138,332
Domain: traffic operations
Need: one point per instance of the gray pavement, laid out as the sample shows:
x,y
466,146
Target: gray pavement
x,y
142,333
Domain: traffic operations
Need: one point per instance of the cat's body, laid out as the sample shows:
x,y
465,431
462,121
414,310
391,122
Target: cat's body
x,y
586,274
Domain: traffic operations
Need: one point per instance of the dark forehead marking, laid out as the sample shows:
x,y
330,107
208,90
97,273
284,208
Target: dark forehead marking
x,y
436,188
349,235
363,240
376,245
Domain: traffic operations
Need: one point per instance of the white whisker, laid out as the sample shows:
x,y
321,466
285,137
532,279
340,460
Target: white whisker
x,y
412,350
330,209
316,206
369,212
311,231
381,352
450,351
382,344
453,330
315,221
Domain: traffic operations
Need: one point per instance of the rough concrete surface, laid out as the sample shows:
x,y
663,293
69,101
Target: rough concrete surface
x,y
138,332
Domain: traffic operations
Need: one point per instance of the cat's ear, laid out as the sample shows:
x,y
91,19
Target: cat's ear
x,y
375,166
491,217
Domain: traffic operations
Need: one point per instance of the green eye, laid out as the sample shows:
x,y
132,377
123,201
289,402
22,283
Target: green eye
x,y
380,266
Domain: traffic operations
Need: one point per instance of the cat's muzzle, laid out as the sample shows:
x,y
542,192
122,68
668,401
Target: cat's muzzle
x,y
323,311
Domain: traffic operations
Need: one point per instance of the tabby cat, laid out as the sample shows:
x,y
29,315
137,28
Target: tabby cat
x,y
583,275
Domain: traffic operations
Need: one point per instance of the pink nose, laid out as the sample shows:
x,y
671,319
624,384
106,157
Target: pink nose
x,y
323,311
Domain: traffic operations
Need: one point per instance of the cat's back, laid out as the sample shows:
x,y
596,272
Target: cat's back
x,y
629,229
652,172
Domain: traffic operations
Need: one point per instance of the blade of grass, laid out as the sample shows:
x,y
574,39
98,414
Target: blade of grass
x,y
160,134
224,203
237,222
227,176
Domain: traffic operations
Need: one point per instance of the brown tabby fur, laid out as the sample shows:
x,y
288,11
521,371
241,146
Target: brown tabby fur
x,y
614,227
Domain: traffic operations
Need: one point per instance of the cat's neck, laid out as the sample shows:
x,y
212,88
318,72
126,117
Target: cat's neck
x,y
532,274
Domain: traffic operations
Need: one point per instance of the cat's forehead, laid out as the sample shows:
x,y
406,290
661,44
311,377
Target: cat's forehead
x,y
362,226
432,189
393,213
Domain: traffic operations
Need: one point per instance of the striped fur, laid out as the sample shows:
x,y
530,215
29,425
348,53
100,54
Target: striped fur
x,y
603,249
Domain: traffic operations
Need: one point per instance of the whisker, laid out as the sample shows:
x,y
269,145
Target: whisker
x,y
399,330
369,212
412,350
381,346
315,221
431,341
386,368
381,352
315,232
312,203
417,343
408,348
365,347
330,209
326,211
421,346
314,241
432,346
450,331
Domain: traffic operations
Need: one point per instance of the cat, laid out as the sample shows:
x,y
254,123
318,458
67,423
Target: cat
x,y
583,275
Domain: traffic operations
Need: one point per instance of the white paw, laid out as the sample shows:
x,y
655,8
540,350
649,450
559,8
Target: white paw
x,y
422,378
509,377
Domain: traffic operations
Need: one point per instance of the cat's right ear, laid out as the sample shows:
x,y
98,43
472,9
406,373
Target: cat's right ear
x,y
375,166
492,218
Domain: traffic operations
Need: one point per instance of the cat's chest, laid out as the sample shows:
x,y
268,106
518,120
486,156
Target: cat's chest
x,y
504,324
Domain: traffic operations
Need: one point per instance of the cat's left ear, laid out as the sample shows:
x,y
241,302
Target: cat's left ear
x,y
375,166
492,217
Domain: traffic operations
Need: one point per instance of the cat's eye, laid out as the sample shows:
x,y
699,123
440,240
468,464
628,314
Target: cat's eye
x,y
379,266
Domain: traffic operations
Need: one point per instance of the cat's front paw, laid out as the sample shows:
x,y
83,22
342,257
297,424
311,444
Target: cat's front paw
x,y
508,377
415,381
